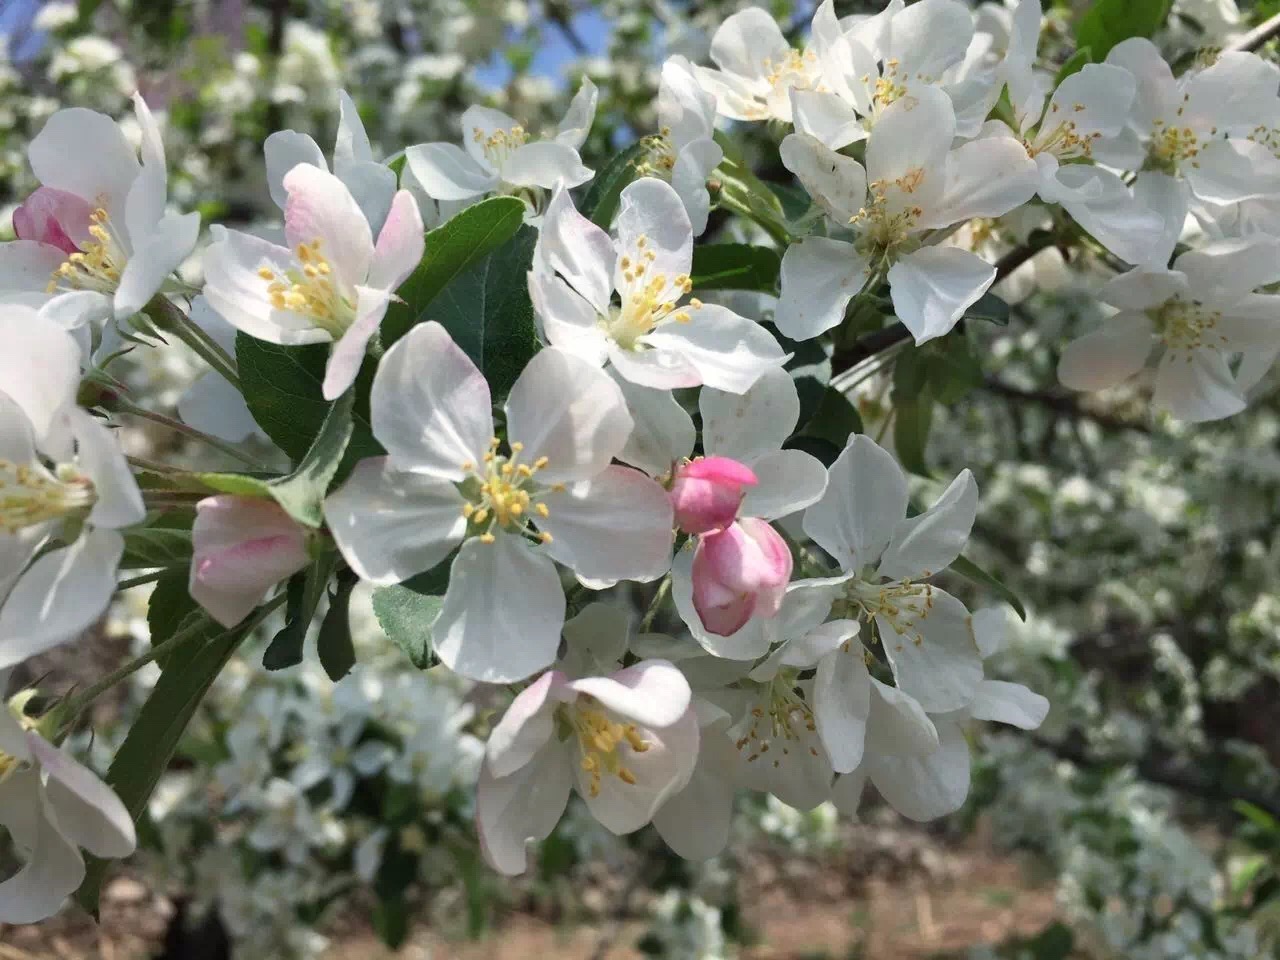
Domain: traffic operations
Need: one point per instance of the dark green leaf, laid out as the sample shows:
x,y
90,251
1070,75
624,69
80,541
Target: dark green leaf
x,y
971,571
735,266
396,166
391,922
156,547
835,419
304,592
302,492
282,388
600,203
1074,64
154,735
810,369
1257,815
172,610
452,248
406,610
337,653
488,313
953,367
1108,22
991,309
911,424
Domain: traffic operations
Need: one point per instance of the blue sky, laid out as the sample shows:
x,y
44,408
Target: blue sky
x,y
591,27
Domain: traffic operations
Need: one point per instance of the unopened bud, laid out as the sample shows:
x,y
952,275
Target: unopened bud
x,y
707,492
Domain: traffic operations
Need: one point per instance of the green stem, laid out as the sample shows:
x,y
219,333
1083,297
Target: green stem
x,y
138,581
122,405
169,318
73,706
729,199
664,588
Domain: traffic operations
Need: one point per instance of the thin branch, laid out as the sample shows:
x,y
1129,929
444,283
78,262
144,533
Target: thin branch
x,y
121,405
866,347
1257,36
1063,404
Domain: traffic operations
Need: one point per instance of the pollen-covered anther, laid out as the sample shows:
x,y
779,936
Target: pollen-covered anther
x,y
97,266
503,492
602,740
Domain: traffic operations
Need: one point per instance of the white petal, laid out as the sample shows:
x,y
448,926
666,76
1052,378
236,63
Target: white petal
x,y
897,725
694,165
749,425
27,266
744,42
88,812
372,187
841,705
567,321
1143,288
527,726
568,411
663,431
165,248
321,209
684,108
1170,198
787,481
826,117
52,873
60,596
545,164
85,153
695,822
571,245
503,611
866,499
400,244
837,183
1010,703
729,352
910,144
524,806
1230,269
446,172
284,150
348,353
479,124
1197,386
933,287
430,406
944,668
39,367
656,369
1228,171
985,178
1097,99
597,639
615,526
929,787
575,125
653,693
926,544
391,524
351,145
846,793
929,36
1101,203
1107,356
1237,90
654,231
819,278
119,502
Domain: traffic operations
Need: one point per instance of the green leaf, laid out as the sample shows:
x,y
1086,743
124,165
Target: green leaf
x,y
1074,64
282,387
156,547
302,492
972,572
237,484
911,424
600,203
396,166
834,421
954,368
1108,22
304,592
735,266
488,313
406,610
451,249
172,610
337,652
154,735
1257,816
991,309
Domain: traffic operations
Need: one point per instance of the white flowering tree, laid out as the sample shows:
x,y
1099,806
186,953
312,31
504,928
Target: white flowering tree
x,y
688,445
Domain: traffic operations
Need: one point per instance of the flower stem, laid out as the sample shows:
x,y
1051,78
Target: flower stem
x,y
122,405
731,200
140,580
664,588
169,318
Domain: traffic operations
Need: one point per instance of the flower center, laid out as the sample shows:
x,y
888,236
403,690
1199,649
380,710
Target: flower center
x,y
1170,146
778,722
1185,325
502,494
97,266
660,157
1063,140
601,740
31,495
889,87
647,299
309,288
499,145
796,69
886,229
901,604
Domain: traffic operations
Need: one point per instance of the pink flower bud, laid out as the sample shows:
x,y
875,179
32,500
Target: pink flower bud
x,y
55,217
739,572
707,492
242,548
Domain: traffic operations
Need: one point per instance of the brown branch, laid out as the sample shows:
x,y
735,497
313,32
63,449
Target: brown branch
x,y
1256,37
1063,404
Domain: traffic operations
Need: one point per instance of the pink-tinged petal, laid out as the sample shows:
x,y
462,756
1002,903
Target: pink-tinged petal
x,y
88,812
348,352
707,492
740,571
653,693
527,805
55,217
242,547
321,209
400,244
528,725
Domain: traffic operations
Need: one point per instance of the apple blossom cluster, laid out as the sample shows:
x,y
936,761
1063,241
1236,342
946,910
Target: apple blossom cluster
x,y
571,466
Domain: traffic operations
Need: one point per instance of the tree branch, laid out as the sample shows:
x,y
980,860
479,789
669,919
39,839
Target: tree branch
x,y
1256,37
1063,404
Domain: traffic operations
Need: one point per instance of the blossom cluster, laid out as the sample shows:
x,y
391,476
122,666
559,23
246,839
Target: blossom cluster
x,y
505,488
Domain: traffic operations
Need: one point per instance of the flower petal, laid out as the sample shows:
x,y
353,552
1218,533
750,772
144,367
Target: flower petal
x,y
841,705
933,287
527,726
54,868
321,209
655,241
571,245
88,812
1107,356
729,352
865,500
167,245
284,150
927,544
819,278
1197,386
935,657
663,431
545,164
85,153
786,481
747,426
928,787
446,172
400,244
653,693
525,806
1010,703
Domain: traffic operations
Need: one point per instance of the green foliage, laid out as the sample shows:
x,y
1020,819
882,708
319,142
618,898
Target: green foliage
x,y
406,610
1108,22
304,593
156,547
912,410
735,266
451,249
834,421
487,311
990,308
974,573
600,202
171,610
334,644
282,387
302,492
